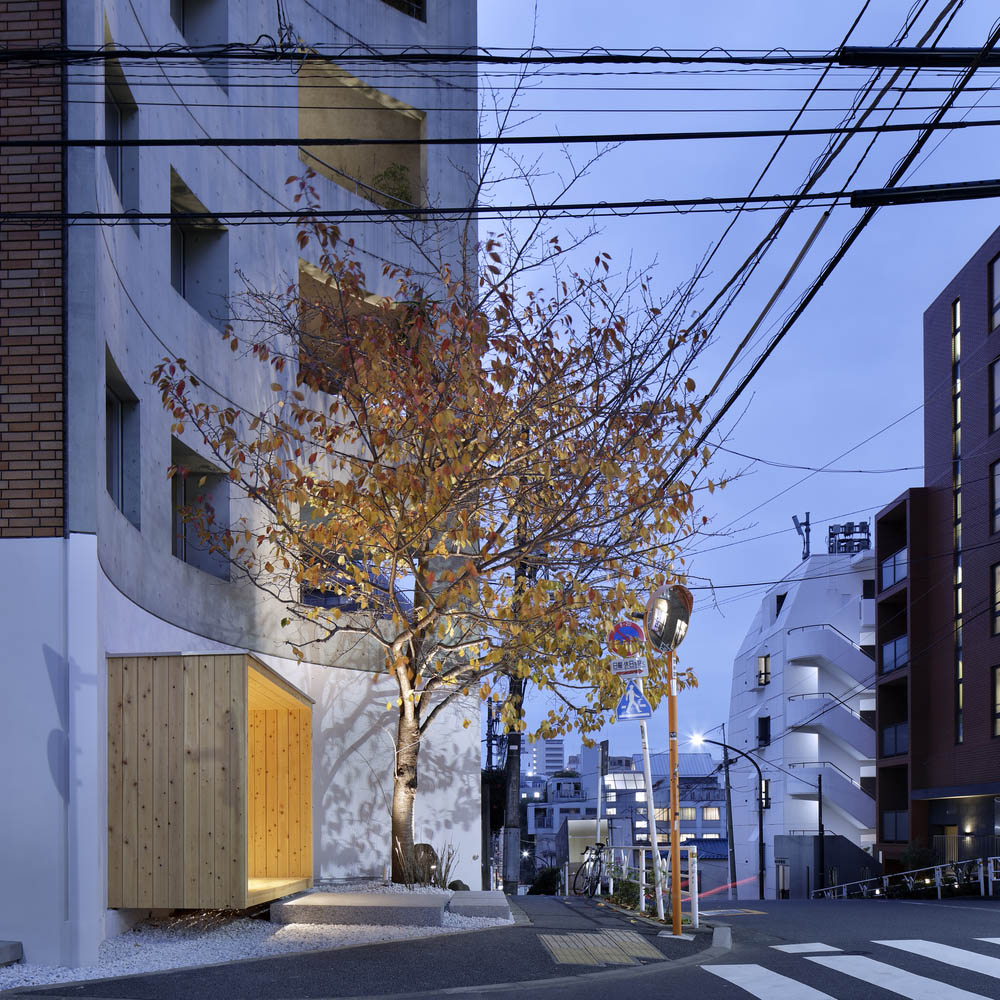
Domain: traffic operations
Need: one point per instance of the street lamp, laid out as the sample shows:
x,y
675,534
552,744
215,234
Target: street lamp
x,y
697,741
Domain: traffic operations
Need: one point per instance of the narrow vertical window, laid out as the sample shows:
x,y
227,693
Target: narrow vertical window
x,y
995,576
994,397
996,701
994,293
995,497
763,669
764,731
765,793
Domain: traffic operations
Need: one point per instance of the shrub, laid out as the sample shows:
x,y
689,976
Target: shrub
x,y
546,882
626,893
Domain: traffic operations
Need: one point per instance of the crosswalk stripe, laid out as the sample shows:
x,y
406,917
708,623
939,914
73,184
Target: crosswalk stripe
x,y
765,984
798,949
888,977
989,940
946,953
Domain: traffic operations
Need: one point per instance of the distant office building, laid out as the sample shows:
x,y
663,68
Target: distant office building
x,y
802,705
938,604
553,757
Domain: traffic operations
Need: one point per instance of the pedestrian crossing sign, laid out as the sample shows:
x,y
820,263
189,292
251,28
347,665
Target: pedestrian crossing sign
x,y
633,706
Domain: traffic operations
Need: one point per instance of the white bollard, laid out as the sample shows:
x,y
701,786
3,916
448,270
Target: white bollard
x,y
642,881
693,884
566,879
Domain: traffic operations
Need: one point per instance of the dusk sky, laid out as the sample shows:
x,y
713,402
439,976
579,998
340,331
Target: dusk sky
x,y
844,389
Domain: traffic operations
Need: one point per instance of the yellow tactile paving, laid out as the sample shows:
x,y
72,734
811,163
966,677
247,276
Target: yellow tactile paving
x,y
600,948
634,944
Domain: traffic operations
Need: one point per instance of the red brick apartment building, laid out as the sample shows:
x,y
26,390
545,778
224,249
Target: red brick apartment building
x,y
938,593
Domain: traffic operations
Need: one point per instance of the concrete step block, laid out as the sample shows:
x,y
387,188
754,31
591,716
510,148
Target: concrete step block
x,y
420,909
10,952
480,903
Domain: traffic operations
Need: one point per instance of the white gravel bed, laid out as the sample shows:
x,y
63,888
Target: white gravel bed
x,y
206,938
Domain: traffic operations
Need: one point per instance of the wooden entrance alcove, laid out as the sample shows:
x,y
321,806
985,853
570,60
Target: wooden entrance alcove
x,y
209,782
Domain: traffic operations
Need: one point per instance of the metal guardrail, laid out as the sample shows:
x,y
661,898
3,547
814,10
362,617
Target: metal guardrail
x,y
833,628
828,695
829,763
635,862
953,874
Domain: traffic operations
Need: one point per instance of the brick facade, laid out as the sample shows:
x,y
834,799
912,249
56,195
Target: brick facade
x,y
31,281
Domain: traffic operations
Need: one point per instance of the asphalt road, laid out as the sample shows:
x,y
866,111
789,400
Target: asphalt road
x,y
788,950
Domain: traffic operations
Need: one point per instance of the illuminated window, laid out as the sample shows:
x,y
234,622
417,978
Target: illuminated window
x,y
994,293
612,796
538,795
710,813
688,813
332,102
524,795
661,815
996,701
640,796
763,669
641,824
765,793
612,811
710,836
685,837
995,576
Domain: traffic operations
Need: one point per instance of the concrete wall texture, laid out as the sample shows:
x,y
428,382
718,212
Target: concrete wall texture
x,y
105,581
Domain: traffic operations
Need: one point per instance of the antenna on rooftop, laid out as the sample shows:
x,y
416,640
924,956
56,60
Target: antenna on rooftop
x,y
803,530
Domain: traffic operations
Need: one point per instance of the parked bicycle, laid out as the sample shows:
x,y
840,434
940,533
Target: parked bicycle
x,y
587,880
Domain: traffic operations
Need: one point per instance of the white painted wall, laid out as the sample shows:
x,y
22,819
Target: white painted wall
x,y
824,589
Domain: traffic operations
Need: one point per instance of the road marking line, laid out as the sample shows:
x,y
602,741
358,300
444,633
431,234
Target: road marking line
x,y
765,984
797,949
888,977
946,953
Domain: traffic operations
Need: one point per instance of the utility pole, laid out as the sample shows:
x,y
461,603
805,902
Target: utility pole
x,y
675,808
733,889
821,872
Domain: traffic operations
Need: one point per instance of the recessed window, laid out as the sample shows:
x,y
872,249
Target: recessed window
x,y
204,24
200,511
995,579
994,293
121,443
688,813
763,730
868,590
710,813
763,669
334,103
199,254
779,600
765,793
414,8
994,397
121,121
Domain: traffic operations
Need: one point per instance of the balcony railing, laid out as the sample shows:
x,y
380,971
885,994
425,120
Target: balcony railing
x,y
895,653
894,569
895,739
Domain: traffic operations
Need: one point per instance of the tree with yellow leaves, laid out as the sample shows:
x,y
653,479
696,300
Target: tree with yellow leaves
x,y
476,481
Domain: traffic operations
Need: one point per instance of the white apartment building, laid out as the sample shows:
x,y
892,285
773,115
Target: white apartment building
x,y
99,599
802,705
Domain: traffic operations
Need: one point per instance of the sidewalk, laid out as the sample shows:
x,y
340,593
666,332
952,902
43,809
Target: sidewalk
x,y
517,954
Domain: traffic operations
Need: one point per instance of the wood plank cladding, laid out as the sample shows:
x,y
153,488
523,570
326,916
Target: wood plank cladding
x,y
31,279
209,781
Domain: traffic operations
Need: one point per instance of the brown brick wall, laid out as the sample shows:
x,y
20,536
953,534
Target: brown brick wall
x,y
31,281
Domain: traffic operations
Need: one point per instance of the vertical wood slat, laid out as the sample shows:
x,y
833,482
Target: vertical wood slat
x,y
260,792
130,783
220,763
160,736
206,781
175,781
281,751
305,798
294,812
191,816
238,746
271,774
144,673
115,782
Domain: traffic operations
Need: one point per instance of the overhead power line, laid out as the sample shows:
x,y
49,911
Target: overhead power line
x,y
864,55
925,193
504,140
424,54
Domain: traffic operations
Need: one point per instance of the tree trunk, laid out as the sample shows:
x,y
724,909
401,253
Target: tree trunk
x,y
404,792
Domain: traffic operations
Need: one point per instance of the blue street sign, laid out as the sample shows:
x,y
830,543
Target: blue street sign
x,y
633,706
